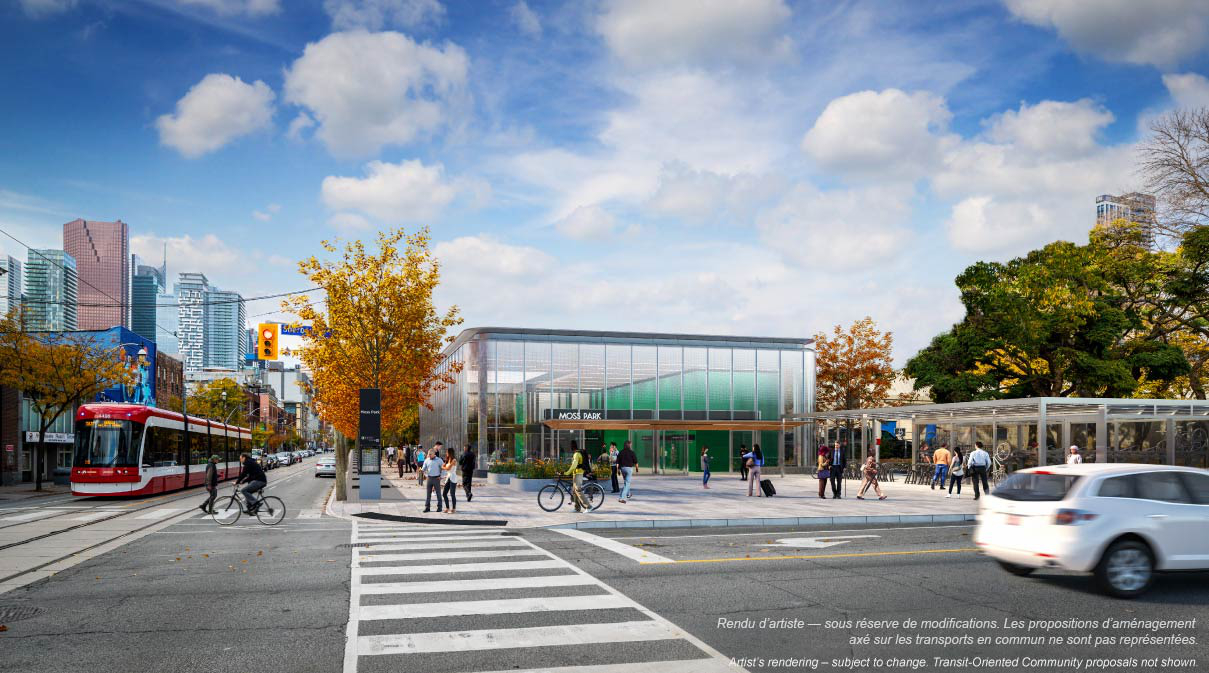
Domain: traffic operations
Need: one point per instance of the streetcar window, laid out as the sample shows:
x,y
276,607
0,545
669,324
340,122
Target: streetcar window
x,y
198,445
159,449
107,443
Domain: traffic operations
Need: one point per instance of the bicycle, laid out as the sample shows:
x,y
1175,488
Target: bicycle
x,y
551,496
270,510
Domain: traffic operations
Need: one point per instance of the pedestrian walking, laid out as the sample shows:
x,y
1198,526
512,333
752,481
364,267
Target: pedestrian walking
x,y
613,466
420,460
390,455
754,460
705,467
1074,458
977,466
449,478
957,470
627,462
839,463
941,459
468,463
403,460
576,472
431,473
211,485
743,469
869,478
824,472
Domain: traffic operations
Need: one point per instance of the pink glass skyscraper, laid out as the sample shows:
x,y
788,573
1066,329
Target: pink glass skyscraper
x,y
102,254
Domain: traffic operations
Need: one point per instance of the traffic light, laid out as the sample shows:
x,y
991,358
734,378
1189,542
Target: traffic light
x,y
267,335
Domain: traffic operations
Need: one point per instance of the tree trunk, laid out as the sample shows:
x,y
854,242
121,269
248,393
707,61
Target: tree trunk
x,y
341,468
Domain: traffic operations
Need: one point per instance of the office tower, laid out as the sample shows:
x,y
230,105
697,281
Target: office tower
x,y
1133,207
167,322
52,291
190,294
102,254
145,288
10,285
225,337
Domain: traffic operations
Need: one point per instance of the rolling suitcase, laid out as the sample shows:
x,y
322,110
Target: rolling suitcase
x,y
767,487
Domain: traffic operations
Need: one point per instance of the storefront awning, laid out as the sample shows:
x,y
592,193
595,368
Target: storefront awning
x,y
669,424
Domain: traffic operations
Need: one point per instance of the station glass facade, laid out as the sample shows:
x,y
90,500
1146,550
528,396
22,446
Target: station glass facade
x,y
513,380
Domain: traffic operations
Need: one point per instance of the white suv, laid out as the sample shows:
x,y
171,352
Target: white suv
x,y
1120,521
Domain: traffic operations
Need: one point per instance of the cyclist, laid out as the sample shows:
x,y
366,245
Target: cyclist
x,y
253,475
577,473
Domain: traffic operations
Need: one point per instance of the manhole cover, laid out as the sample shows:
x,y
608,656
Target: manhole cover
x,y
12,613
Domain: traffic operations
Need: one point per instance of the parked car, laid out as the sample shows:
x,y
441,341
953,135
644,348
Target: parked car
x,y
1121,522
325,467
286,457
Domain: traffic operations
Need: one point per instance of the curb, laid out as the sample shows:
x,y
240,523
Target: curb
x,y
783,521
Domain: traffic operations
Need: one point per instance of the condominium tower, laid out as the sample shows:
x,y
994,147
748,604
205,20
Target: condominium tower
x,y
51,294
10,285
102,254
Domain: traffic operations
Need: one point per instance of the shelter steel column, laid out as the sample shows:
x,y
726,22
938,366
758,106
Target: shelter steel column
x,y
877,441
1042,436
914,442
1102,435
1171,441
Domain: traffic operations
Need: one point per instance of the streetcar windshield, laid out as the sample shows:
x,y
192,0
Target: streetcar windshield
x,y
107,443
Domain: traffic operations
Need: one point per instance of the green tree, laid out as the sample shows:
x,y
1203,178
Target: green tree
x,y
1049,324
208,401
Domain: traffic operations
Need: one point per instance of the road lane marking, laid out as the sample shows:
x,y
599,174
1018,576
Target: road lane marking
x,y
92,516
534,636
819,542
160,513
824,556
440,555
620,548
506,606
492,584
794,532
460,568
407,545
309,513
30,516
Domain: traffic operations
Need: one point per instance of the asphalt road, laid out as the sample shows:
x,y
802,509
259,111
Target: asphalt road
x,y
820,582
195,597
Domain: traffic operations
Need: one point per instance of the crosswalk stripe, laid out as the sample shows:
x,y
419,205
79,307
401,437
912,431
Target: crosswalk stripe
x,y
92,516
30,516
461,568
160,513
441,555
680,666
396,545
496,607
429,586
310,513
430,530
437,538
538,636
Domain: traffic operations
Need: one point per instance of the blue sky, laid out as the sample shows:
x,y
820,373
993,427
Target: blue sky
x,y
755,167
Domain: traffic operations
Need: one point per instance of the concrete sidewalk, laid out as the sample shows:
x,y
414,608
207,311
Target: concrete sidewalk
x,y
25,491
677,501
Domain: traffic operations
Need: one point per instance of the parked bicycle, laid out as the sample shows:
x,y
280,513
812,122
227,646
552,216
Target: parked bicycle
x,y
269,510
552,496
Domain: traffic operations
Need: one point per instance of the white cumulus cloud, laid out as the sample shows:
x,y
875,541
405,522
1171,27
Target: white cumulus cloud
x,y
215,111
40,9
1052,128
888,133
406,191
809,225
526,19
1188,90
587,222
237,7
368,90
643,34
1155,32
379,14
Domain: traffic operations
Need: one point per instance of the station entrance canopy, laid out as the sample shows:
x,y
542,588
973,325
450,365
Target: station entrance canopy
x,y
1174,432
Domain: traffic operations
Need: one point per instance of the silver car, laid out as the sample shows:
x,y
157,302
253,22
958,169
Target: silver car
x,y
325,467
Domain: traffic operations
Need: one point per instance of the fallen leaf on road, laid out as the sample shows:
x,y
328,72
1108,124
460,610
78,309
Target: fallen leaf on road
x,y
178,558
3,628
205,556
260,553
244,561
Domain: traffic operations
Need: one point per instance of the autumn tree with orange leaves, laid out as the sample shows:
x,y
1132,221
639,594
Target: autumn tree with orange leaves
x,y
376,327
853,367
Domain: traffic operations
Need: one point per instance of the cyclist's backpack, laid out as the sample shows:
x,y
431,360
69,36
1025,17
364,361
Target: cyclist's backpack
x,y
585,462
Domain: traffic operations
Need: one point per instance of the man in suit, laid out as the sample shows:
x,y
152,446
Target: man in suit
x,y
742,463
839,461
468,463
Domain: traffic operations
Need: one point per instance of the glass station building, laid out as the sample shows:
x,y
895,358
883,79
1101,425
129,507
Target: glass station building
x,y
527,393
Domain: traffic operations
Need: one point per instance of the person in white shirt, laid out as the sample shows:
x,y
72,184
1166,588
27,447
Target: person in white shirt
x,y
431,470
977,466
1074,458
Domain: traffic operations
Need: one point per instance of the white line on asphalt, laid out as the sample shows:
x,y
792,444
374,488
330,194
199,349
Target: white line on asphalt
x,y
378,537
444,543
310,513
160,513
628,551
439,555
507,606
773,534
460,568
495,583
534,636
435,530
30,516
92,516
684,666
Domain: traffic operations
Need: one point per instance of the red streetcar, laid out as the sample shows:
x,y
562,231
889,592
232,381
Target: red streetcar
x,y
131,449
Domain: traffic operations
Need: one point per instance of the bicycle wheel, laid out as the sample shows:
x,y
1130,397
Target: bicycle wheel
x,y
227,510
594,495
271,510
550,497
